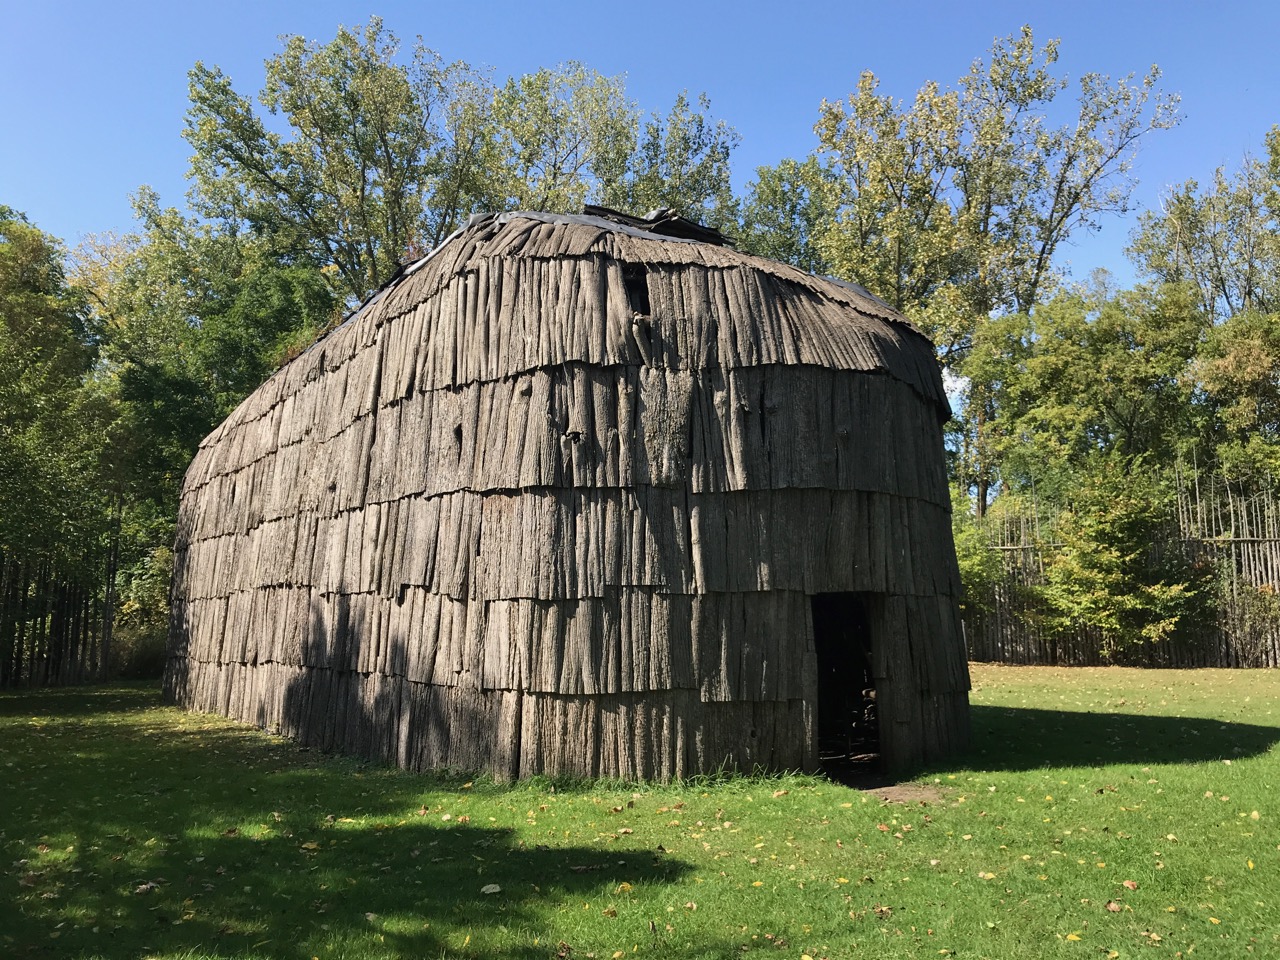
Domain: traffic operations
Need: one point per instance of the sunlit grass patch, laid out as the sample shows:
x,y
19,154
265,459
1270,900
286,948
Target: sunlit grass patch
x,y
1101,811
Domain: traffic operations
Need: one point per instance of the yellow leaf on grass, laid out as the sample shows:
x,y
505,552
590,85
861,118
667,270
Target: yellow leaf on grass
x,y
1214,920
1249,863
758,883
1073,936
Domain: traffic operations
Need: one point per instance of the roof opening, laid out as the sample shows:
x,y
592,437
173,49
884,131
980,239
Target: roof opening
x,y
664,221
636,280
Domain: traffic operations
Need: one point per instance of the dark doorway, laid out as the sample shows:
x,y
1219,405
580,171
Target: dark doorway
x,y
848,728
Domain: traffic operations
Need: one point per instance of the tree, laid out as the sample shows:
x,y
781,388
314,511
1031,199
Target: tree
x,y
367,151
954,208
1116,569
786,208
53,512
1091,372
681,163
562,134
387,154
1237,373
1223,241
1220,246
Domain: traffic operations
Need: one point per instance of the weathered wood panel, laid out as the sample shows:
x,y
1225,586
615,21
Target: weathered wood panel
x,y
501,520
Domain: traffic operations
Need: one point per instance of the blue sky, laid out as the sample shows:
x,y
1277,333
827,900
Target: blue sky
x,y
92,95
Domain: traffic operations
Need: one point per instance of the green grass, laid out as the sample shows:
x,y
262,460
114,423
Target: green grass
x,y
1103,813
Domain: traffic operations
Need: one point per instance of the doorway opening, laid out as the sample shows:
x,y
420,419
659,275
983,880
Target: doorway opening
x,y
848,725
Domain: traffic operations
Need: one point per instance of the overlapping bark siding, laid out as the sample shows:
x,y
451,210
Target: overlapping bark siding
x,y
496,522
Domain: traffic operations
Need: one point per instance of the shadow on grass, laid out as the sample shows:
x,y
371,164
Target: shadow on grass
x,y
1018,738
126,834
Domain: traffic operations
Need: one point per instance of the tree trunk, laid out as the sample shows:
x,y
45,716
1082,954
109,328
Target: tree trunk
x,y
109,593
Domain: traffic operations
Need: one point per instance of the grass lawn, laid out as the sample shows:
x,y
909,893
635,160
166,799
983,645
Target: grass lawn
x,y
1102,813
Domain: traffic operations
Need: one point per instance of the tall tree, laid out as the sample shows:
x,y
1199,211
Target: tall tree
x,y
681,162
367,146
786,208
1223,241
1091,372
54,507
388,151
955,207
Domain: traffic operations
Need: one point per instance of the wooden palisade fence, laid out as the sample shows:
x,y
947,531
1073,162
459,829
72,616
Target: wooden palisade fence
x,y
50,623
1238,536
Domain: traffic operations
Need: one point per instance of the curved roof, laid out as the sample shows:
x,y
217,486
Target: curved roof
x,y
503,320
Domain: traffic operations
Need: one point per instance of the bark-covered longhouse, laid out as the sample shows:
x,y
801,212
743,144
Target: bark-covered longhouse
x,y
575,497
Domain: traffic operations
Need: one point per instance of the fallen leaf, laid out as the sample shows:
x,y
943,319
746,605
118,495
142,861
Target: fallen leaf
x,y
623,887
1214,920
1073,936
490,888
781,793
1130,884
1113,907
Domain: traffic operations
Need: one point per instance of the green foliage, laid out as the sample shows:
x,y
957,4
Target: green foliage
x,y
1116,567
1238,373
144,591
386,154
1222,242
787,207
952,208
560,134
981,569
1090,372
348,187
52,420
682,163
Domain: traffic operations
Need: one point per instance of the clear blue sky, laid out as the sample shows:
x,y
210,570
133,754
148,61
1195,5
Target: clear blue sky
x,y
92,95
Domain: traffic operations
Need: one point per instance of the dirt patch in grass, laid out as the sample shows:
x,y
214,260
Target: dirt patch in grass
x,y
912,793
